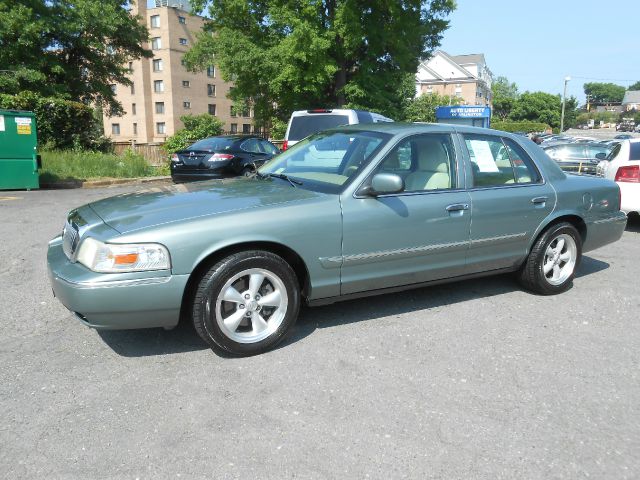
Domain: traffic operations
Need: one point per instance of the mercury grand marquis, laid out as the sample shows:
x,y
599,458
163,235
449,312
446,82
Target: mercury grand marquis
x,y
348,212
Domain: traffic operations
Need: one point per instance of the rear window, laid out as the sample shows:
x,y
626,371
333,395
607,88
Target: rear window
x,y
304,126
634,153
210,144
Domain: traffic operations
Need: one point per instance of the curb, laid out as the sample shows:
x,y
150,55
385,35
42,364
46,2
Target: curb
x,y
67,184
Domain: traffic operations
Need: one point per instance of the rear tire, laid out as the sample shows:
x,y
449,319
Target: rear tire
x,y
246,172
246,303
551,265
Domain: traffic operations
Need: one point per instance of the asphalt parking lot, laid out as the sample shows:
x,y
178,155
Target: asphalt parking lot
x,y
477,379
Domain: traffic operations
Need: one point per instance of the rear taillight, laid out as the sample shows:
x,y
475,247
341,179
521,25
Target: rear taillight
x,y
220,156
285,145
628,173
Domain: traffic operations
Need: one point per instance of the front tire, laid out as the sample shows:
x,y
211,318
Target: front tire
x,y
553,260
246,303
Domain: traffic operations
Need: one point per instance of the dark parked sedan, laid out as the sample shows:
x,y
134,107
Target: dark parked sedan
x,y
221,157
578,157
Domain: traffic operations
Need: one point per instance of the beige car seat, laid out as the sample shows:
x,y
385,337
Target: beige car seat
x,y
433,167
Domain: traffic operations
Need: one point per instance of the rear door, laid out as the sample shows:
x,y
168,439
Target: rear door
x,y
509,200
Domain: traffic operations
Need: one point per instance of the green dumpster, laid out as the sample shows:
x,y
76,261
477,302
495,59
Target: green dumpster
x,y
19,160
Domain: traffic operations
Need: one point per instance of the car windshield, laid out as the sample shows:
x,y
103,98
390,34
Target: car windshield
x,y
211,144
305,125
327,161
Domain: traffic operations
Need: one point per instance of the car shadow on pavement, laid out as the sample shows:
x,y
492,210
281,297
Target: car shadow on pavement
x,y
153,341
182,339
425,298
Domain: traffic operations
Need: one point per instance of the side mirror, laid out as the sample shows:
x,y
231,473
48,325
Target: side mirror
x,y
384,183
601,156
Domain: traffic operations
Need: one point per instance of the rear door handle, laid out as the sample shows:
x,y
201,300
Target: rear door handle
x,y
457,207
537,200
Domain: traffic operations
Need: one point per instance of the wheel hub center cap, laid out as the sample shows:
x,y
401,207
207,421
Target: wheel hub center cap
x,y
252,305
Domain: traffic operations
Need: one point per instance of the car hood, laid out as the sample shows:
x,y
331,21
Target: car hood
x,y
160,205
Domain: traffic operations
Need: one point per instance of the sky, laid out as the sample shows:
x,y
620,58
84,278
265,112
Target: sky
x,y
536,44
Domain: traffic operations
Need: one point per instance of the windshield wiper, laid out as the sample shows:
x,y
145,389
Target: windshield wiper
x,y
281,176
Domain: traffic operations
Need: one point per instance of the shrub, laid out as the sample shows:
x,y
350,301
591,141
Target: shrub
x,y
61,124
196,127
523,126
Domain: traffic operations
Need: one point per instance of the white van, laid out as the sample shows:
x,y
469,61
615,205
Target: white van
x,y
306,122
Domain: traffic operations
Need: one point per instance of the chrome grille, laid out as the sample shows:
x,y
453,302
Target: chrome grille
x,y
69,240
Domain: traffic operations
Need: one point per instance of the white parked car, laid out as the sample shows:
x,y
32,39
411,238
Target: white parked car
x,y
623,166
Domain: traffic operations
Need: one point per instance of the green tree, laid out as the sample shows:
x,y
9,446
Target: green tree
x,y
504,95
604,92
423,108
544,108
635,86
196,127
73,49
287,55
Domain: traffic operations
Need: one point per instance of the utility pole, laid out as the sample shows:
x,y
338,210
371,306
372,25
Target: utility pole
x,y
564,97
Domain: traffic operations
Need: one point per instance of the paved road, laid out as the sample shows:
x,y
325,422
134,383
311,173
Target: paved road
x,y
473,380
599,133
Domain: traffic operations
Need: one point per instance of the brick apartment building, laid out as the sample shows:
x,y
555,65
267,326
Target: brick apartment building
x,y
163,90
457,76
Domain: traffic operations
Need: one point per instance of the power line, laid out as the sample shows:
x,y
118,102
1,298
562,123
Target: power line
x,y
603,79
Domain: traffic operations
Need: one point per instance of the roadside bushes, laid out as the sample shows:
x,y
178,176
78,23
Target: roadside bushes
x,y
62,124
523,126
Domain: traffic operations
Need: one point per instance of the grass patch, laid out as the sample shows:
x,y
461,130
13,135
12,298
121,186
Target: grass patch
x,y
71,165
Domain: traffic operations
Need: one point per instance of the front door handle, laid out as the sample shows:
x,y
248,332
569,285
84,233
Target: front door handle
x,y
538,200
457,207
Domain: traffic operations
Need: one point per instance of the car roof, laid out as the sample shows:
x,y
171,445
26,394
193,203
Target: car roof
x,y
397,128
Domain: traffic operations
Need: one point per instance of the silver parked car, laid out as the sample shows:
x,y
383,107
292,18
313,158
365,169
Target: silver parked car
x,y
345,213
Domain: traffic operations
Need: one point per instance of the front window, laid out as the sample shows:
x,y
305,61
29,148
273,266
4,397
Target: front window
x,y
327,161
156,43
155,21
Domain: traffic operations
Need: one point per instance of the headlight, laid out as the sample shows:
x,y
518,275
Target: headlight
x,y
113,257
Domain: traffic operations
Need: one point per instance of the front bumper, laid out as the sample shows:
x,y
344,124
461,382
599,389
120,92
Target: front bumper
x,y
115,301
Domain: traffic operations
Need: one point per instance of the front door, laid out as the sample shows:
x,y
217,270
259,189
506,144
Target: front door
x,y
415,236
509,200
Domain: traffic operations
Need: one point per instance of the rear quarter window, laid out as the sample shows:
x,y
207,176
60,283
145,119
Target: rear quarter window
x,y
634,151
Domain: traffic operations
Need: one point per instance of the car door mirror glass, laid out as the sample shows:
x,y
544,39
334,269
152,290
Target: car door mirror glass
x,y
601,155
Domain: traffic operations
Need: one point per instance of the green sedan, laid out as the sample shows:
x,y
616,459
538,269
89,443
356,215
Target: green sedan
x,y
348,212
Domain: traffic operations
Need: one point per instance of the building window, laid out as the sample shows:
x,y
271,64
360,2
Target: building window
x,y
113,87
155,21
158,86
133,88
246,128
211,90
211,71
135,128
183,62
133,109
212,109
157,65
182,20
232,111
246,113
186,105
186,83
159,107
234,128
161,128
156,43
183,41
115,129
